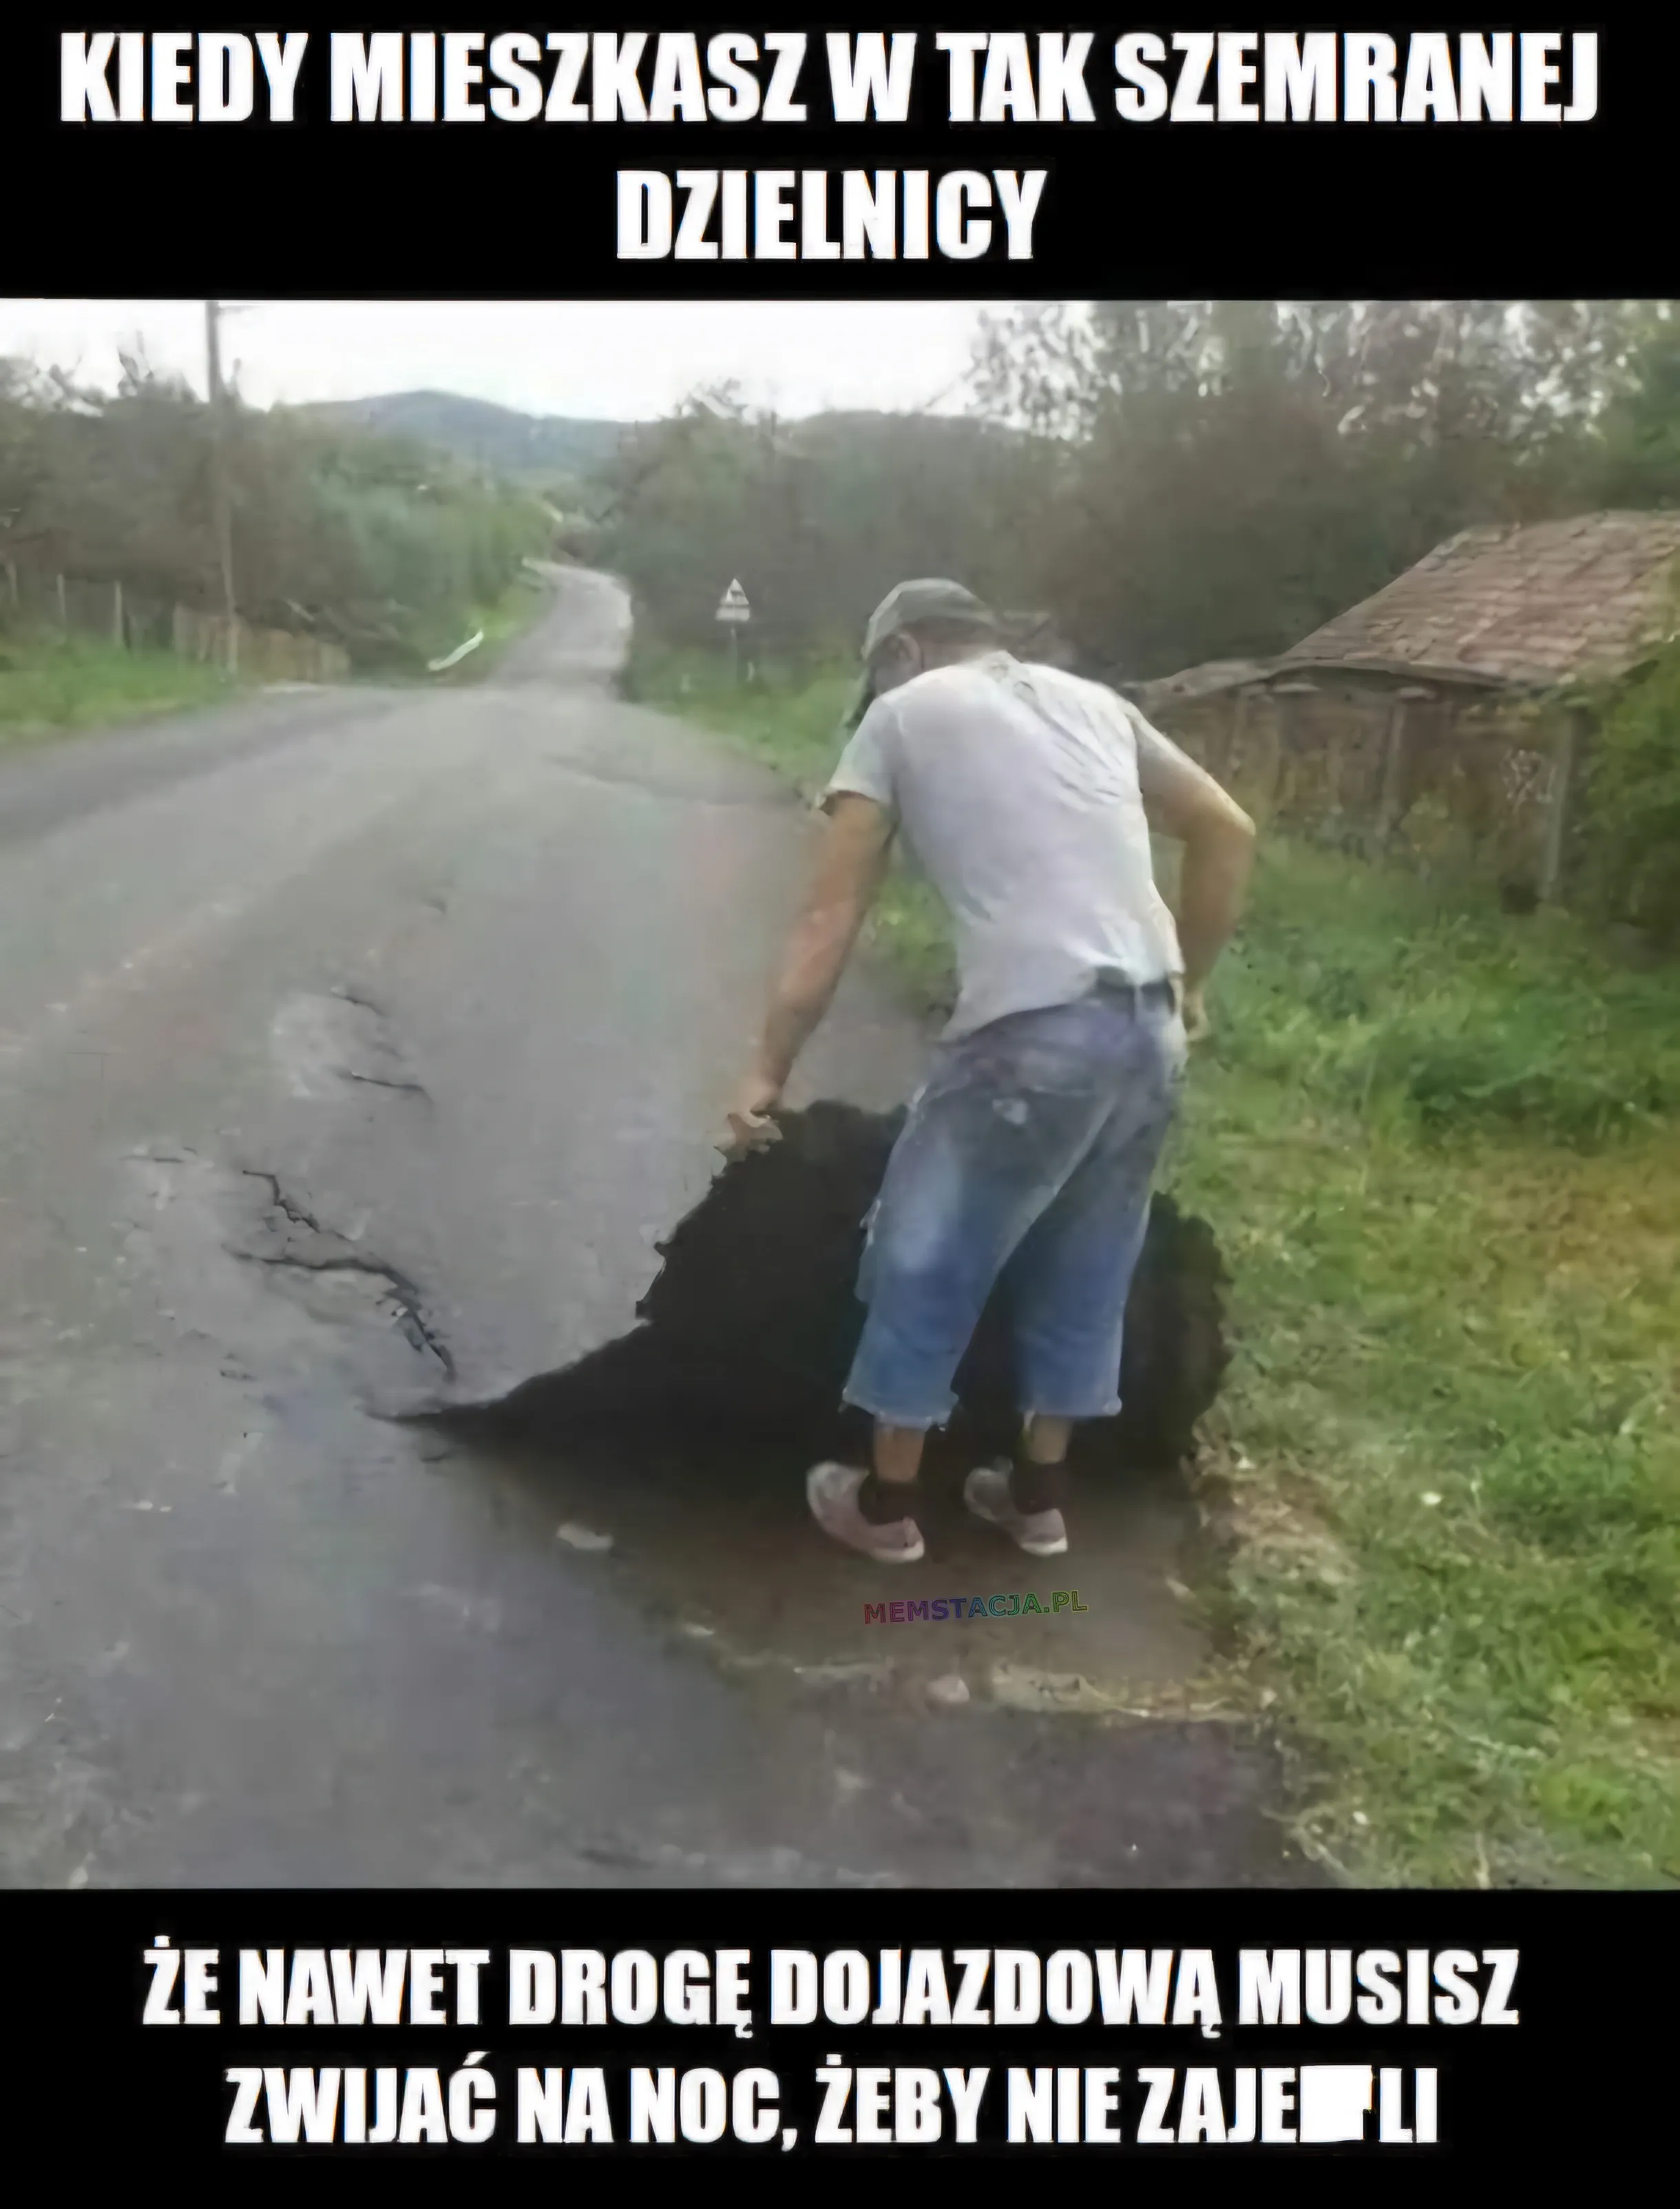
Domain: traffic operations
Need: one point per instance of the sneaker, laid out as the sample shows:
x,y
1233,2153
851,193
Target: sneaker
x,y
986,1493
832,1492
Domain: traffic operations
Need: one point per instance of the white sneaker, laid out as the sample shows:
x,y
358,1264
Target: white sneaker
x,y
986,1493
832,1492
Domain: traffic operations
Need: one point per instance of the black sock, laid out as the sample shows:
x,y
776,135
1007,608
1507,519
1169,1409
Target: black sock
x,y
1034,1487
884,1503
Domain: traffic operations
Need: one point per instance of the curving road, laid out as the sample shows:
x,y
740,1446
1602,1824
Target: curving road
x,y
354,1047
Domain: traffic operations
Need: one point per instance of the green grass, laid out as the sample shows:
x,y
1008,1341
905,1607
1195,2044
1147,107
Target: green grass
x,y
1441,1152
503,620
791,719
50,683
1441,1148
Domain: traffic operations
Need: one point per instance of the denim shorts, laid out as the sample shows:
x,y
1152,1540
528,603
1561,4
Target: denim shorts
x,y
1035,1141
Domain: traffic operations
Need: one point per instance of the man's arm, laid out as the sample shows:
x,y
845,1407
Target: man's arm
x,y
1184,802
851,862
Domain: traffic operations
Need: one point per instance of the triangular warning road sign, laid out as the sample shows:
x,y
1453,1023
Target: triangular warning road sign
x,y
735,596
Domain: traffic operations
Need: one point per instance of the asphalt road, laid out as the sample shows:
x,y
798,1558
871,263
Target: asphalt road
x,y
355,1046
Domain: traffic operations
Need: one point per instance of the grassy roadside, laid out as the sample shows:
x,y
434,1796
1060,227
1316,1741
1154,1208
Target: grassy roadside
x,y
791,721
502,619
1442,1149
50,683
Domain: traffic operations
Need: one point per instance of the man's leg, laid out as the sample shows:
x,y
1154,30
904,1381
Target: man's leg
x,y
883,1497
977,1162
1071,1278
1036,1480
1024,1497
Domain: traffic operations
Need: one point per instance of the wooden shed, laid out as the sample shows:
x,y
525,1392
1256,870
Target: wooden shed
x,y
1459,685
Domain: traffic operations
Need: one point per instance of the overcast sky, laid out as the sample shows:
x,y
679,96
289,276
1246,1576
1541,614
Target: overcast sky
x,y
625,362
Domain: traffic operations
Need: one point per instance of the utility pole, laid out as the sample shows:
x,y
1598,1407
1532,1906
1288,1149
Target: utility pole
x,y
221,512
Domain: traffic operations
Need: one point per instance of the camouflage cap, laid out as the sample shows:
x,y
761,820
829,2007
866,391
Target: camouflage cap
x,y
906,606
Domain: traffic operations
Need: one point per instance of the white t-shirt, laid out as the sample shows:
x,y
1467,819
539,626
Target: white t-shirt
x,y
1016,787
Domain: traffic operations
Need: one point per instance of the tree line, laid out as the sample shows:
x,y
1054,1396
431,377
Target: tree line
x,y
376,541
1231,474
1175,482
809,515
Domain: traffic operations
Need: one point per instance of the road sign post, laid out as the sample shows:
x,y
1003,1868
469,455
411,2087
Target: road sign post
x,y
734,613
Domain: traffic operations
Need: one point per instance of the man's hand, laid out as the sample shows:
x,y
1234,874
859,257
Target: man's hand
x,y
750,1125
1193,1012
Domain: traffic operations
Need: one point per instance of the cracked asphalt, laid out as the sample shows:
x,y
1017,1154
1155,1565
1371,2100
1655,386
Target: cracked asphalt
x,y
355,1048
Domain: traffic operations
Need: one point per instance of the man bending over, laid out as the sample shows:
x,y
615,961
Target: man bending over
x,y
1027,795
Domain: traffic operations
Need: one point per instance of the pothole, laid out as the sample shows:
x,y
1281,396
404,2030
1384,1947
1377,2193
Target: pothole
x,y
686,1439
746,1336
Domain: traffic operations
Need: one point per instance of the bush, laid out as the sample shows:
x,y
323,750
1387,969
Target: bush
x,y
1464,1021
1632,818
371,540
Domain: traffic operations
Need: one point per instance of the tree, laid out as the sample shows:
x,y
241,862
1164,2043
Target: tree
x,y
1640,462
372,538
1234,473
817,518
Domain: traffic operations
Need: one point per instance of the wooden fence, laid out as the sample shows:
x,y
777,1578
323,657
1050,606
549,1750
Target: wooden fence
x,y
131,621
277,655
1412,771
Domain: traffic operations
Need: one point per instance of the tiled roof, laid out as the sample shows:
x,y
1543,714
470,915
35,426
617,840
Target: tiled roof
x,y
1206,681
1211,675
1535,604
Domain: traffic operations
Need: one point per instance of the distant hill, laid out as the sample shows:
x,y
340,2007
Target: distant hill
x,y
842,422
529,449
558,454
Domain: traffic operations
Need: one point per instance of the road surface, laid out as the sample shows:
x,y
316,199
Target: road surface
x,y
355,1045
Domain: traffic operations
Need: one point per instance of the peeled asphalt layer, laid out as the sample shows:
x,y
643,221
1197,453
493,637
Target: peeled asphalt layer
x,y
356,1046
